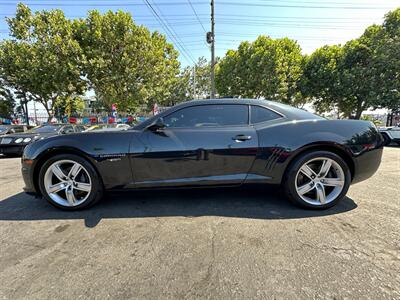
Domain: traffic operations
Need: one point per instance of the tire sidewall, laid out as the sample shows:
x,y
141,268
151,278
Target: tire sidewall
x,y
97,186
290,179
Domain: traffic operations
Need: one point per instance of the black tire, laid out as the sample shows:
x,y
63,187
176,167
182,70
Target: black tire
x,y
386,139
289,182
97,189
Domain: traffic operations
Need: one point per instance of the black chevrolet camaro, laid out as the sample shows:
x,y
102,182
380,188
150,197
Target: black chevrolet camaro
x,y
224,142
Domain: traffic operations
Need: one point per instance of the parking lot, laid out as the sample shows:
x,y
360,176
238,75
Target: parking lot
x,y
215,244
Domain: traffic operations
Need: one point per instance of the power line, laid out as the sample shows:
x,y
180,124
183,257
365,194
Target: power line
x,y
244,16
318,2
176,34
203,3
189,18
300,6
95,4
195,13
172,36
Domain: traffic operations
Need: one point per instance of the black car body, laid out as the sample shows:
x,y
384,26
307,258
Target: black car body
x,y
13,144
223,142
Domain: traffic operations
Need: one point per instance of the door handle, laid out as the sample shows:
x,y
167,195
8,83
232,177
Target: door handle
x,y
241,138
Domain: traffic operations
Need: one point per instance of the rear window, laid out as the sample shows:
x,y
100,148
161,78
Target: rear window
x,y
261,114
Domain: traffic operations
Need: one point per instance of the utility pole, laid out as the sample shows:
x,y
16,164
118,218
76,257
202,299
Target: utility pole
x,y
194,82
25,104
212,51
34,108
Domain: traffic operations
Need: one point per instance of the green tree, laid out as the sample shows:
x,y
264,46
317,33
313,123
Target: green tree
x,y
363,73
202,82
266,68
7,101
68,105
42,58
180,89
357,78
321,77
386,46
125,63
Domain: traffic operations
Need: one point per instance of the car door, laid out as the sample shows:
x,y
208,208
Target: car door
x,y
395,132
199,145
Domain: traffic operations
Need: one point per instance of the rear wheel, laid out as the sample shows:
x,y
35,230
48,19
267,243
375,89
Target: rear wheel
x,y
70,182
317,180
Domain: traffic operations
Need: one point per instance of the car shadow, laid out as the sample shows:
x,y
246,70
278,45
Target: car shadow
x,y
255,203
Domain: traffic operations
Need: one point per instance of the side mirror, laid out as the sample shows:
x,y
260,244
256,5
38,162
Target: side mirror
x,y
157,125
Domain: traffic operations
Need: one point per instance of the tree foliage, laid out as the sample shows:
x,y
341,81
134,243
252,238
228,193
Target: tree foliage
x,y
54,60
7,101
363,73
42,58
125,63
267,68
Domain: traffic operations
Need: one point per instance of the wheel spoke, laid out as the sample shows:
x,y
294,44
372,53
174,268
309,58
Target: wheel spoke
x,y
304,189
325,167
76,168
58,172
321,196
69,192
85,187
306,170
56,187
333,182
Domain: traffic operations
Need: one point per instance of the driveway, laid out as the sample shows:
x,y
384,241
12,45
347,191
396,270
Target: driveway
x,y
214,244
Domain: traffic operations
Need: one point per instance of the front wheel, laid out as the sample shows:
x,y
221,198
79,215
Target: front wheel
x,y
317,180
70,182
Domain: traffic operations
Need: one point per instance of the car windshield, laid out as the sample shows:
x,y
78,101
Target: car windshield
x,y
44,129
3,128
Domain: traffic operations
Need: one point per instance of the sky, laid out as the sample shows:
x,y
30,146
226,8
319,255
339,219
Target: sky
x,y
312,23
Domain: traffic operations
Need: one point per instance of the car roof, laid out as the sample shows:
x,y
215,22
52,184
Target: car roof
x,y
289,112
277,106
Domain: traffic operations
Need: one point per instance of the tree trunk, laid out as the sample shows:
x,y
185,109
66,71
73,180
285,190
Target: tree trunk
x,y
360,108
46,107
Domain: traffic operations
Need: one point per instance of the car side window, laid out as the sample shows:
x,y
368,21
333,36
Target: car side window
x,y
208,116
68,129
79,128
261,114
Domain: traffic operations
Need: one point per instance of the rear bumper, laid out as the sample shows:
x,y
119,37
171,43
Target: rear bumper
x,y
366,164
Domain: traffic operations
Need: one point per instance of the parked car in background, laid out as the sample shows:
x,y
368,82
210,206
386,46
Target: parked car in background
x,y
14,144
8,129
224,142
391,134
108,127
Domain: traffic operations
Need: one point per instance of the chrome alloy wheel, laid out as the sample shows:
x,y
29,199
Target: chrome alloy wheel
x,y
320,181
67,183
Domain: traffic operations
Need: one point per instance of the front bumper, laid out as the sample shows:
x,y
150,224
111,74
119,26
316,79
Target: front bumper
x,y
27,176
12,149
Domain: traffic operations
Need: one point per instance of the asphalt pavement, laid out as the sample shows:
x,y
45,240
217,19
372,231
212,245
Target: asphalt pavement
x,y
240,243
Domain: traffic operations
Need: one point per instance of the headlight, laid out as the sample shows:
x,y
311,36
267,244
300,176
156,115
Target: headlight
x,y
27,140
19,140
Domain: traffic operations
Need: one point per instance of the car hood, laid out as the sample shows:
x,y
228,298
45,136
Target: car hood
x,y
29,135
